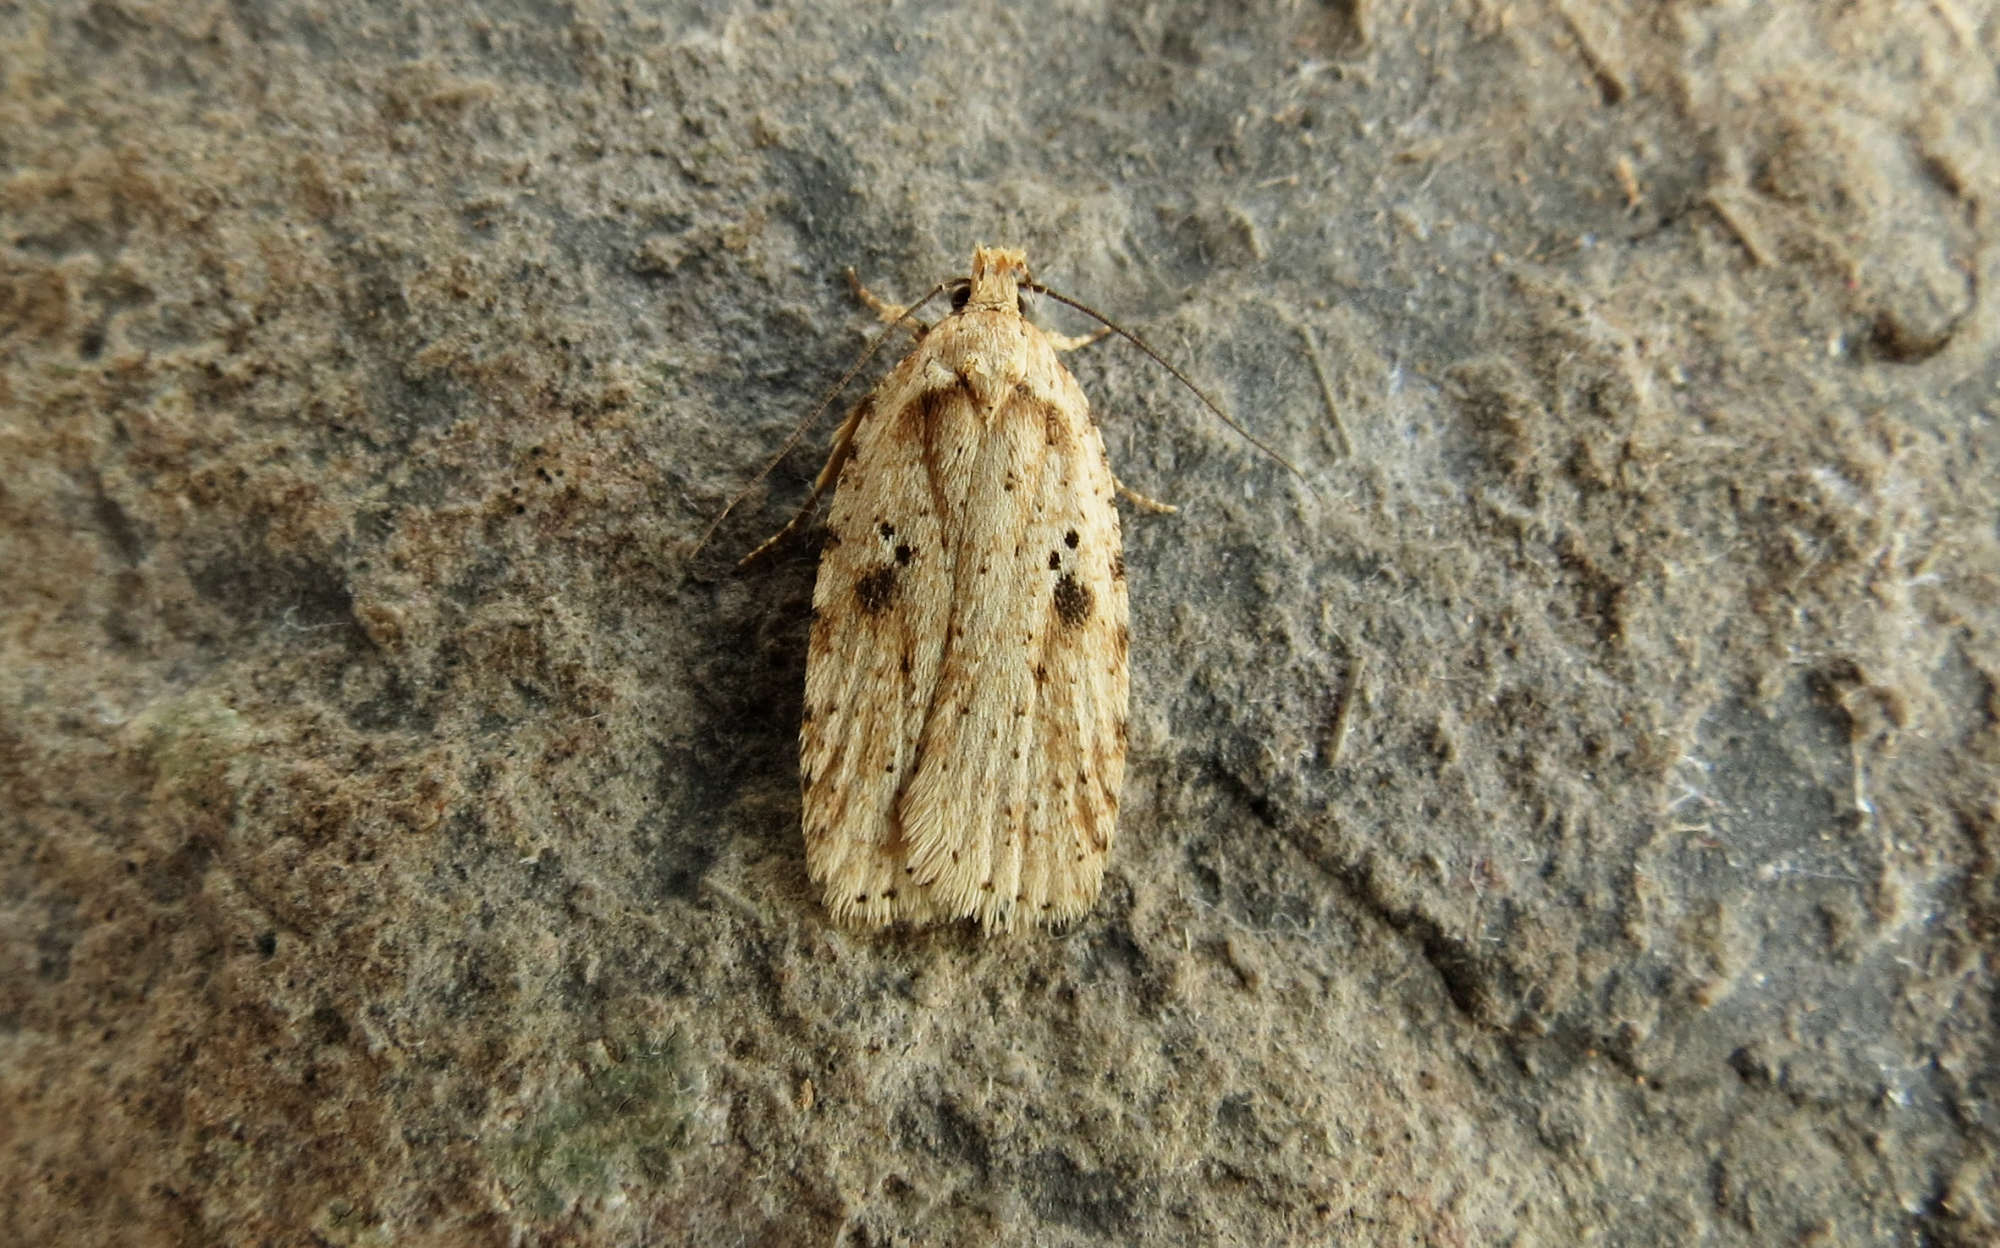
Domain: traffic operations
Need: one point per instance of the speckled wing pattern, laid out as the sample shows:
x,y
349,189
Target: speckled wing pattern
x,y
963,743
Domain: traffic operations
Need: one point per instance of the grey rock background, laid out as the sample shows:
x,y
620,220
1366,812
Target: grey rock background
x,y
400,838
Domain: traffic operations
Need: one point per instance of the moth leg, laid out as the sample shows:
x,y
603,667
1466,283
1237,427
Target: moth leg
x,y
1142,502
889,312
1070,342
836,459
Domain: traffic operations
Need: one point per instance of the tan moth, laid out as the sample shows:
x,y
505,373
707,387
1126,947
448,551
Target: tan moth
x,y
963,741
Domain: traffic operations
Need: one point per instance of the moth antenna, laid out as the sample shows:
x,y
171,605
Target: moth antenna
x,y
1179,376
813,419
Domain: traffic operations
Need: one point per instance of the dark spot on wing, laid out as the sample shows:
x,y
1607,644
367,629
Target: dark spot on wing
x,y
1054,427
1055,560
876,590
1072,600
1070,539
903,553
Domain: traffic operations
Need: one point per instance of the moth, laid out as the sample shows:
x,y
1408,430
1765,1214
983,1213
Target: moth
x,y
963,739
964,733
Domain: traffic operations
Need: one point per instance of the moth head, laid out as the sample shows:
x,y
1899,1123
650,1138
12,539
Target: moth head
x,y
961,296
997,276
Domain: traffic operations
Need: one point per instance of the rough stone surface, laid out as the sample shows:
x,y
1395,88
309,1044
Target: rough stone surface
x,y
400,819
